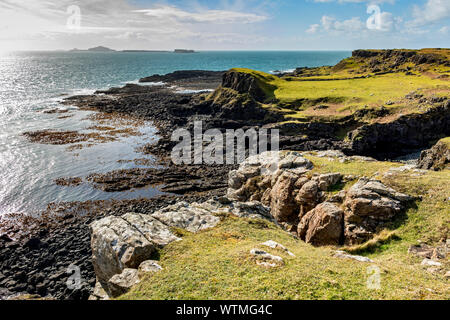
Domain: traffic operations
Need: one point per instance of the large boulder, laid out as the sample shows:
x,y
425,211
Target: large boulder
x,y
283,204
323,225
369,204
125,242
308,196
191,217
271,178
436,158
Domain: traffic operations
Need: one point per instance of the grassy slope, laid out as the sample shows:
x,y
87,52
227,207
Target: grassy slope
x,y
348,87
215,264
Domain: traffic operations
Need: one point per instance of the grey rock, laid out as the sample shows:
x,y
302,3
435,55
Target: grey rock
x,y
120,284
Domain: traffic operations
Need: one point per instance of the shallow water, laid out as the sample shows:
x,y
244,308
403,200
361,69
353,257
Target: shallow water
x,y
31,82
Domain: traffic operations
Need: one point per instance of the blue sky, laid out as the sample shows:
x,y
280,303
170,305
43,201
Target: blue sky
x,y
224,24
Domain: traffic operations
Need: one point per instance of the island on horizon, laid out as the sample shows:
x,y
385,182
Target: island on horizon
x,y
106,49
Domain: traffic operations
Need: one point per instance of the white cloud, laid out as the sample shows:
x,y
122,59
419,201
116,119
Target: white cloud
x,y
432,11
314,28
120,24
330,24
209,16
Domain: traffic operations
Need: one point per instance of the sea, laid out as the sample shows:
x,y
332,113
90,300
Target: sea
x,y
33,82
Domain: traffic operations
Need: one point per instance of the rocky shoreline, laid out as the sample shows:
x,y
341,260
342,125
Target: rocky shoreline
x,y
35,253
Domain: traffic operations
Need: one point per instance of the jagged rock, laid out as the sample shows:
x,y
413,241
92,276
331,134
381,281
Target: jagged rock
x,y
338,197
323,225
191,217
99,292
266,259
436,158
284,206
369,204
267,167
275,245
120,284
148,267
308,197
125,242
343,255
328,180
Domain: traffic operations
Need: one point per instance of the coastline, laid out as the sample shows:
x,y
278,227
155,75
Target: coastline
x,y
53,243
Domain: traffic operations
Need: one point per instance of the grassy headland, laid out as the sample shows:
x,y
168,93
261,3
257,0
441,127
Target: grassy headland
x,y
216,263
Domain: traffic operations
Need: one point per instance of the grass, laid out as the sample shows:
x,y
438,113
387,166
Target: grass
x,y
446,141
343,97
216,264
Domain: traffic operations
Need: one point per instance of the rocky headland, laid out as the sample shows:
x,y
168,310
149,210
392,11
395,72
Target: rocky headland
x,y
335,201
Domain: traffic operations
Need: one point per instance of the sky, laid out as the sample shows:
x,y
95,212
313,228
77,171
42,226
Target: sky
x,y
223,24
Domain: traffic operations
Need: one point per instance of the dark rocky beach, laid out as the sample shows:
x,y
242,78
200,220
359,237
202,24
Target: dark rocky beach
x,y
35,253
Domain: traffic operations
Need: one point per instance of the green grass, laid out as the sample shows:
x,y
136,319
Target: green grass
x,y
215,264
300,94
446,141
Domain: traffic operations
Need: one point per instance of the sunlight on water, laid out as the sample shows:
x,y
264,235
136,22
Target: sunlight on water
x,y
33,82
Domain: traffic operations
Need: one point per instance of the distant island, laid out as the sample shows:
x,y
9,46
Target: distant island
x,y
183,51
144,51
95,49
105,49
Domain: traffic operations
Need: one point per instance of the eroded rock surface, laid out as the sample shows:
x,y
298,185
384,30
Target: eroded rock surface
x,y
436,158
125,242
308,204
370,204
323,225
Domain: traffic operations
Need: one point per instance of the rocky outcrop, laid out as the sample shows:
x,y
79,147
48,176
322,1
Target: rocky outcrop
x,y
125,242
183,75
410,131
243,83
301,201
323,225
436,158
123,246
369,204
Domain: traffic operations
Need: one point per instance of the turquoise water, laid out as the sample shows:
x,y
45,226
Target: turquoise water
x,y
31,82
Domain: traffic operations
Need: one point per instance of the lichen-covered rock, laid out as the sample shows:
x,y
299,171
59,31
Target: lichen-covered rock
x,y
148,267
266,259
328,180
323,225
125,242
275,245
191,217
264,169
368,205
251,209
120,284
